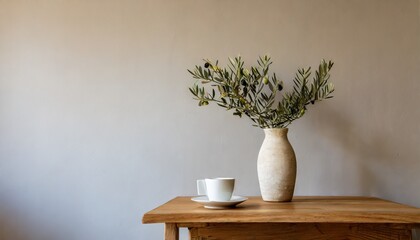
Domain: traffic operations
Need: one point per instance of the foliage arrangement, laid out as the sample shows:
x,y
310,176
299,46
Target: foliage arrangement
x,y
254,92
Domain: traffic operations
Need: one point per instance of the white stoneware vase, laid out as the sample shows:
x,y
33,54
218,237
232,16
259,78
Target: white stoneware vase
x,y
276,166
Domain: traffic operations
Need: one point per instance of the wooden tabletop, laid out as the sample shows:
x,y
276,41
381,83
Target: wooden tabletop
x,y
300,210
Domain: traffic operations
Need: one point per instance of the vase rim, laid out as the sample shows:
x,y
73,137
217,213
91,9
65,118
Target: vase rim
x,y
281,130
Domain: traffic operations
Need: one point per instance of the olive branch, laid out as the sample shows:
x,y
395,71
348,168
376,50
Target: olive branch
x,y
254,92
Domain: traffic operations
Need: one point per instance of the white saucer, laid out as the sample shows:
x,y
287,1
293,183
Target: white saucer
x,y
203,200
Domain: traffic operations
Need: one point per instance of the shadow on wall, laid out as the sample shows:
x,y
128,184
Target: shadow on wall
x,y
374,152
11,228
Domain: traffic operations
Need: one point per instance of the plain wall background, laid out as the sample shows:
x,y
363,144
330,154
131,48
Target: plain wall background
x,y
97,125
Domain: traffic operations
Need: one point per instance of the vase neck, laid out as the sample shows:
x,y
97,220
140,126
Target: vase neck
x,y
279,132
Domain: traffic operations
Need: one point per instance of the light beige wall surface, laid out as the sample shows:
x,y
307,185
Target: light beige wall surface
x,y
97,125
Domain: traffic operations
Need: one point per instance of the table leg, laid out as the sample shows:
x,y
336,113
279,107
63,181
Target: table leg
x,y
171,231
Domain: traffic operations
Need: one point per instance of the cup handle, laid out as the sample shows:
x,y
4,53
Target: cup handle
x,y
201,187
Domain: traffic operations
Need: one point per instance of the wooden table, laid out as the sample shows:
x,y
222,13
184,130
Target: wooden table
x,y
303,218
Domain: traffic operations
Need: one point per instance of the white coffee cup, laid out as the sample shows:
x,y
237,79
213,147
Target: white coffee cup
x,y
216,189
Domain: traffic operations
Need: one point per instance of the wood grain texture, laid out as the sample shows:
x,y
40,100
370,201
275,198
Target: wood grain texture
x,y
300,210
171,231
308,231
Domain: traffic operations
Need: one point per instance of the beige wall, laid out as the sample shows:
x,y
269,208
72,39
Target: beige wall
x,y
97,125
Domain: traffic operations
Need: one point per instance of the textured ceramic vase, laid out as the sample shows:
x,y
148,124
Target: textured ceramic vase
x,y
276,166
